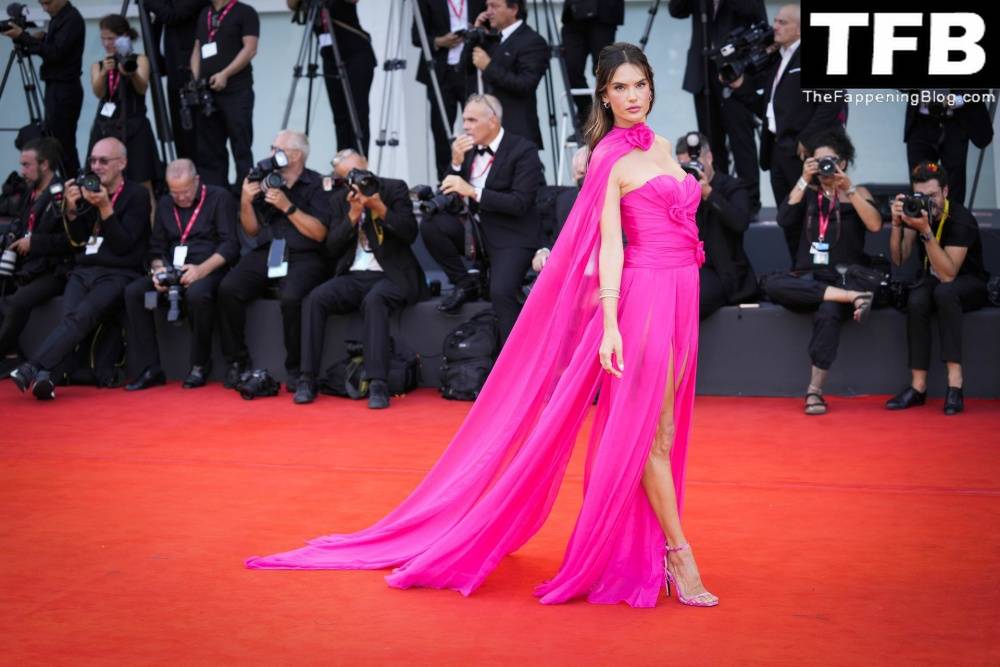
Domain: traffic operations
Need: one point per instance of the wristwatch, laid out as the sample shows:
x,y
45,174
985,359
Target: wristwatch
x,y
291,209
926,238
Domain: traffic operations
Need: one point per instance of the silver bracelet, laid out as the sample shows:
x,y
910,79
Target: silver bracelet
x,y
802,185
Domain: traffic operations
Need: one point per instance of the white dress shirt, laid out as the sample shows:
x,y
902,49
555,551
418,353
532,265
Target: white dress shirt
x,y
364,260
460,22
506,32
786,55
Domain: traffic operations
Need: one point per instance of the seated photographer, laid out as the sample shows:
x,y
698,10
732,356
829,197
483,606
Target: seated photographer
x,y
952,281
723,217
287,212
834,216
371,230
109,217
562,205
119,82
499,173
44,255
193,241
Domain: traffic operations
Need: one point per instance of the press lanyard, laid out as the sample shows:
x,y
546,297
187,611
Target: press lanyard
x,y
194,216
32,213
114,200
457,12
212,31
937,235
114,78
485,169
824,219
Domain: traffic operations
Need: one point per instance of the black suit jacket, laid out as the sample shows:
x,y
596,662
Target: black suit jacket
x,y
507,212
732,14
973,117
437,22
516,67
722,220
796,118
609,12
393,253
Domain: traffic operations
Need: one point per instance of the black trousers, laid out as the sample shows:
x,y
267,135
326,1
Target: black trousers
x,y
944,141
444,237
92,294
360,68
15,309
452,83
785,171
186,141
949,301
730,116
713,296
63,101
803,294
369,291
580,39
248,281
232,122
199,309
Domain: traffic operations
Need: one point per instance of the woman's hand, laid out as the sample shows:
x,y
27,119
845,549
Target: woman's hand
x,y
611,350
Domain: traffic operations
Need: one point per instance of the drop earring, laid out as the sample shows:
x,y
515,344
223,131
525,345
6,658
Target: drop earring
x,y
607,105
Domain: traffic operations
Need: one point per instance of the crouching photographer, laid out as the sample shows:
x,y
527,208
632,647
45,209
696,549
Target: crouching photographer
x,y
193,240
372,227
952,280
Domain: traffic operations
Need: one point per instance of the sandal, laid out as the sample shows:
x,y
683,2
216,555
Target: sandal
x,y
862,310
815,408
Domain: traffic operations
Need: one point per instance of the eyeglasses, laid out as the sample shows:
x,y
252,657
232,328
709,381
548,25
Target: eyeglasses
x,y
482,99
101,160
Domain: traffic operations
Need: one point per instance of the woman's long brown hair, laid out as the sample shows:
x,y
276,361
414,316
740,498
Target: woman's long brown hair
x,y
612,57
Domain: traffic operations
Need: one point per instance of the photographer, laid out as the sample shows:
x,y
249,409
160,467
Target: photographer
x,y
830,275
61,50
730,112
499,173
445,23
44,253
722,217
289,223
194,232
952,281
511,67
355,46
114,215
225,43
178,20
119,82
371,231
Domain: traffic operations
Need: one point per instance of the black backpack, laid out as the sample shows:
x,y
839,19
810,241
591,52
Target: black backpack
x,y
99,360
347,377
469,352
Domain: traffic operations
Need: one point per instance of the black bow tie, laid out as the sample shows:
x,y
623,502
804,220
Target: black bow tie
x,y
483,149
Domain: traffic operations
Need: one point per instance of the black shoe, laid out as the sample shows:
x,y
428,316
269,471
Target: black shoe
x,y
378,395
197,377
44,388
907,398
292,381
953,401
148,378
463,292
233,373
305,391
23,376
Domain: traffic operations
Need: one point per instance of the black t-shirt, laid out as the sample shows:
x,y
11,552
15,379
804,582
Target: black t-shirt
x,y
845,232
214,230
310,197
125,233
960,229
241,21
62,47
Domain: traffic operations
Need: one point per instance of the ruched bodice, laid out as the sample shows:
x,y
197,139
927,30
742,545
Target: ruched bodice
x,y
658,218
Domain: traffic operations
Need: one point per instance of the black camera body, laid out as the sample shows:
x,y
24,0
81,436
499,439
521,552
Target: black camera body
x,y
695,168
916,204
479,36
745,50
195,94
18,16
365,181
266,167
431,201
827,165
88,180
169,276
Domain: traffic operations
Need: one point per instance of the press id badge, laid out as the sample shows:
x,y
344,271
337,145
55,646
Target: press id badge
x,y
93,245
277,265
108,109
325,40
209,50
180,256
820,252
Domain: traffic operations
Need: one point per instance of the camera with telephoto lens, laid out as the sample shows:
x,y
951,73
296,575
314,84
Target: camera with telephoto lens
x,y
827,165
195,95
916,204
479,36
18,14
8,258
746,49
170,277
365,181
88,180
125,55
431,201
692,146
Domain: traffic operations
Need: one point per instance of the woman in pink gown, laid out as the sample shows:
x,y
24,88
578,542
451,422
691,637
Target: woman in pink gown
x,y
594,307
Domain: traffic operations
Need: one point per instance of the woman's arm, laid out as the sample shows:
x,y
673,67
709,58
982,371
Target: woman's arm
x,y
861,199
611,258
140,77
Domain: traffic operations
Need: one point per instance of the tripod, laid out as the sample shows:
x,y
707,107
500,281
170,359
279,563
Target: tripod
x,y
308,54
29,81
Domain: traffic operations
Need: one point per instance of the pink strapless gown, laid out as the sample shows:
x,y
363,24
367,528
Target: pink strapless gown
x,y
454,536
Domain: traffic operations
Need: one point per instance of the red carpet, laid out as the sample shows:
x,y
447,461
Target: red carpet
x,y
857,538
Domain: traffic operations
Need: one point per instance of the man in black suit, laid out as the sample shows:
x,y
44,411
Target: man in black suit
x,y
587,27
723,216
790,116
443,23
940,131
724,112
500,174
377,273
511,68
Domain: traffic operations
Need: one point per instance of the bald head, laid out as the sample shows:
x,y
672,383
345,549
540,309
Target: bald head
x,y
108,160
183,182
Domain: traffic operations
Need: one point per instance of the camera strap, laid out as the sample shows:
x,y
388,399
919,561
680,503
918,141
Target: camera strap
x,y
32,214
824,217
97,227
114,79
215,20
937,234
186,231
